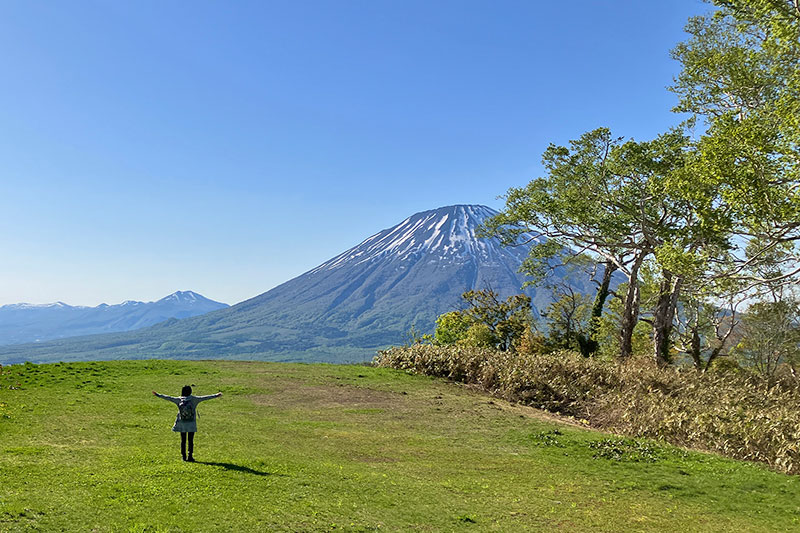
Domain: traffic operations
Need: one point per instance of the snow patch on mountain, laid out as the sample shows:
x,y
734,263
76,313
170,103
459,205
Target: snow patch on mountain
x,y
54,305
447,234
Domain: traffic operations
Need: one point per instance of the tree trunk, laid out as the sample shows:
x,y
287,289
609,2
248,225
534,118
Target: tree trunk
x,y
696,347
664,316
630,314
714,354
592,344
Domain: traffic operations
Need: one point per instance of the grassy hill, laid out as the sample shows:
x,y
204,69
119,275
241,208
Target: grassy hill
x,y
292,447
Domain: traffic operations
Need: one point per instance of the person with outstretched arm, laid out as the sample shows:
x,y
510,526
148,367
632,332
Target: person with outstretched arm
x,y
186,421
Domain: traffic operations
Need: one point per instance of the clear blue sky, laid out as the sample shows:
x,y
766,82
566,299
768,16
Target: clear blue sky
x,y
226,147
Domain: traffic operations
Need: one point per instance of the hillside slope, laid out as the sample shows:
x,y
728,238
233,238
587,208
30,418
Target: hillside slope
x,y
342,448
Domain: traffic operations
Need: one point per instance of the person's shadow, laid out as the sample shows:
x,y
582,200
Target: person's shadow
x,y
237,468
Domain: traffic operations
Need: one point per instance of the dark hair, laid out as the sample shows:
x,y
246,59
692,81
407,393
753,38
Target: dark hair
x,y
186,390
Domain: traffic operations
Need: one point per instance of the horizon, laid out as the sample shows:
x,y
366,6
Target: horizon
x,y
59,302
67,304
244,145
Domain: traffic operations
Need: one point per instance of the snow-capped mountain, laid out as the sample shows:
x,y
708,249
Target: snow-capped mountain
x,y
23,322
447,233
403,276
54,305
365,298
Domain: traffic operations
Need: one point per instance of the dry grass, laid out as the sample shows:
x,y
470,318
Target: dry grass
x,y
735,414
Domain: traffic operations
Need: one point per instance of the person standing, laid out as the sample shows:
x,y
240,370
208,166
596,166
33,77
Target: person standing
x,y
186,421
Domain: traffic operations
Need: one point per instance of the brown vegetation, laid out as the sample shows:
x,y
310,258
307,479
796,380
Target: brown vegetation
x,y
734,413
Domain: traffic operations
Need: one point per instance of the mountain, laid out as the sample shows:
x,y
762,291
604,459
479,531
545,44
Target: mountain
x,y
365,298
21,323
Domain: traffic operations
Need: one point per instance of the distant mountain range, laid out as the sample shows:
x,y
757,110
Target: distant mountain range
x,y
366,298
21,323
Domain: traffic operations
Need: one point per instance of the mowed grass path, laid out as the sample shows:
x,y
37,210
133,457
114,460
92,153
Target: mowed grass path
x,y
86,447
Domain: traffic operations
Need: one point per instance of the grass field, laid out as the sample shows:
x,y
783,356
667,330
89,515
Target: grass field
x,y
86,447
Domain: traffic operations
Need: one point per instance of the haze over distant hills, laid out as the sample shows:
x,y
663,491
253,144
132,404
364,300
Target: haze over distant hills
x,y
365,298
21,323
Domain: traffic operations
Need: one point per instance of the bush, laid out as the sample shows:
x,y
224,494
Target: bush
x,y
736,414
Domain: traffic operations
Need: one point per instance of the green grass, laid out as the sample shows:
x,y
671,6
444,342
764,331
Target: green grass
x,y
291,447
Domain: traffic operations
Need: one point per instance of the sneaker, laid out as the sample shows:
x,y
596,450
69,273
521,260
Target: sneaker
x,y
190,459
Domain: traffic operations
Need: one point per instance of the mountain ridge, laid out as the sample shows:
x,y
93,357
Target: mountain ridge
x,y
25,322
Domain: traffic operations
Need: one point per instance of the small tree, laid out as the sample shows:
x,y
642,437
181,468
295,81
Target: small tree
x,y
771,336
452,327
506,320
569,319
487,321
705,331
480,336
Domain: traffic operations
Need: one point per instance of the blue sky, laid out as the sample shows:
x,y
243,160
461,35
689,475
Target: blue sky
x,y
226,147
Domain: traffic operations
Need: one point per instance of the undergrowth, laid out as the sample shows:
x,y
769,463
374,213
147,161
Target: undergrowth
x,y
735,414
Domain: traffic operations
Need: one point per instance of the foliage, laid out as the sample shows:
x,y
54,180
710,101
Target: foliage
x,y
548,438
608,332
613,200
451,327
741,76
707,329
771,337
737,414
532,341
486,322
414,336
715,215
568,319
479,336
631,450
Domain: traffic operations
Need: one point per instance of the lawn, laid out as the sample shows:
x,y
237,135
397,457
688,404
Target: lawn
x,y
294,447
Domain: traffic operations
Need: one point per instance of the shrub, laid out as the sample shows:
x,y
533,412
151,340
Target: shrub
x,y
737,414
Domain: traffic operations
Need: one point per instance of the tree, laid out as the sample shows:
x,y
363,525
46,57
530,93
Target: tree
x,y
452,327
771,336
613,201
543,264
741,77
506,320
487,321
707,328
569,320
719,211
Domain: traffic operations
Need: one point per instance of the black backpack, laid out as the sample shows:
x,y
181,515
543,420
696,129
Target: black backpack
x,y
186,409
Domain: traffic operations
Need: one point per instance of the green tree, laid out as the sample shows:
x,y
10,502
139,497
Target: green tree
x,y
612,200
569,320
487,321
771,336
548,262
707,327
506,320
480,336
741,78
452,327
719,211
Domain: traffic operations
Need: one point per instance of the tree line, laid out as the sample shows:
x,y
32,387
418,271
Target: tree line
x,y
680,233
